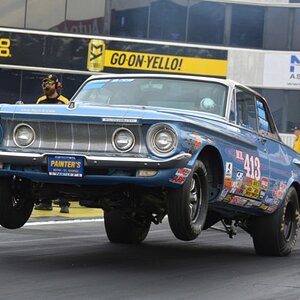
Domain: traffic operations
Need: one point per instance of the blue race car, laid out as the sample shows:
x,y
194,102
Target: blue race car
x,y
143,146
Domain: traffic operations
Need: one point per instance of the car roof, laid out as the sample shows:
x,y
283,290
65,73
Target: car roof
x,y
228,82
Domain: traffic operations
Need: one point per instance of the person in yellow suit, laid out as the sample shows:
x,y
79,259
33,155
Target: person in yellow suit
x,y
297,139
51,87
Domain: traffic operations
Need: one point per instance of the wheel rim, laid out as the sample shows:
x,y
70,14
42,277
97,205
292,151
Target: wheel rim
x,y
195,197
288,222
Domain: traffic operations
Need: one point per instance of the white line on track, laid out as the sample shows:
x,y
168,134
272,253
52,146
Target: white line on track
x,y
64,222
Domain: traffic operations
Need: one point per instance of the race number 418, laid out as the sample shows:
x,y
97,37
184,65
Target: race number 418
x,y
5,47
252,167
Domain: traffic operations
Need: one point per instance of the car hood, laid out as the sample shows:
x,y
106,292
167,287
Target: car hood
x,y
131,114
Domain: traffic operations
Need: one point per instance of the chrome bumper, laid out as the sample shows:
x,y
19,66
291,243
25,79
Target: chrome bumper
x,y
34,159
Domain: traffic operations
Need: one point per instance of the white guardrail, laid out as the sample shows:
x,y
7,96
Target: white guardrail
x,y
288,139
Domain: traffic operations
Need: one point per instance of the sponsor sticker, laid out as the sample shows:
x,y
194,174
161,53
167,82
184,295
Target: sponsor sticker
x,y
264,183
180,175
239,176
228,170
239,155
236,200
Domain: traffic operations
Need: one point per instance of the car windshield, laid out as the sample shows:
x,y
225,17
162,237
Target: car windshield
x,y
193,95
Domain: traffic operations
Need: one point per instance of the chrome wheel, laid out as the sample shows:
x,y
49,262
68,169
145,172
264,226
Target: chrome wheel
x,y
195,197
276,234
188,204
288,222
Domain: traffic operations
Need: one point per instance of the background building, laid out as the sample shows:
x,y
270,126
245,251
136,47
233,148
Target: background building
x,y
258,40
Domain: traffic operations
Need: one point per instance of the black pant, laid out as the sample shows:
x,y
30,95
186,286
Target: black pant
x,y
62,202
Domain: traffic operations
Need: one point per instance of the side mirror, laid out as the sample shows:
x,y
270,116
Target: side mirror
x,y
71,105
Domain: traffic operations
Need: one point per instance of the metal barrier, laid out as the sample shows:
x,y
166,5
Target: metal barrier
x,y
288,139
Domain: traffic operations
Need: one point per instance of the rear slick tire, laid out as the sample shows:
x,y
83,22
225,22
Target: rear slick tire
x,y
276,234
187,205
120,229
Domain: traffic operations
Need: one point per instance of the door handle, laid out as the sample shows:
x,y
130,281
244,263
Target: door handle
x,y
263,140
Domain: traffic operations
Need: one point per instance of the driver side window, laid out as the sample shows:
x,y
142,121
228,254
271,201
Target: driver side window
x,y
265,125
246,109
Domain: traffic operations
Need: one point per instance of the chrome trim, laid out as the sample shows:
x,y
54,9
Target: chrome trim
x,y
106,139
72,134
8,133
21,158
14,135
296,161
40,136
87,138
113,139
89,135
150,139
56,141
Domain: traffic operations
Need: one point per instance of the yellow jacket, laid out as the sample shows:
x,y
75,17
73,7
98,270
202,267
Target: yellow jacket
x,y
60,99
297,144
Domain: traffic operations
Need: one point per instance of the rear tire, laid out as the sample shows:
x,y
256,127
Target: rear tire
x,y
276,234
14,210
187,205
120,229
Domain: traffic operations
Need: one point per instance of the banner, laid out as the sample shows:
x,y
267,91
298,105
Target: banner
x,y
165,63
104,55
282,70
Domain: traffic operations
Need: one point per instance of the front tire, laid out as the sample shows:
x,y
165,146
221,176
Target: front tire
x,y
120,229
14,210
276,234
187,205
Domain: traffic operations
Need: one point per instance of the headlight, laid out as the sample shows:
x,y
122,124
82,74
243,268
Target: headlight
x,y
162,139
23,135
123,140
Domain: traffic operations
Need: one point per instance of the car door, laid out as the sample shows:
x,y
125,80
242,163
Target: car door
x,y
279,157
251,157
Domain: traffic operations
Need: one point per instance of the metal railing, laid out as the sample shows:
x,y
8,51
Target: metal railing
x,y
288,139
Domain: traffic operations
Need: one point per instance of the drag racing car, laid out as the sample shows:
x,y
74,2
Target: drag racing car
x,y
145,146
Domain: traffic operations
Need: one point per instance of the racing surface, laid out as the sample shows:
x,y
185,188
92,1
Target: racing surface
x,y
74,260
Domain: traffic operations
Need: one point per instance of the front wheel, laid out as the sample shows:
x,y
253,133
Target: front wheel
x,y
187,205
121,229
276,234
15,209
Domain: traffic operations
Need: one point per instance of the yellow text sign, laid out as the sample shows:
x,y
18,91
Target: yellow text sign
x,y
5,47
95,58
165,63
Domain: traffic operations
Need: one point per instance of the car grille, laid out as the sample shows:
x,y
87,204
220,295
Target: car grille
x,y
83,138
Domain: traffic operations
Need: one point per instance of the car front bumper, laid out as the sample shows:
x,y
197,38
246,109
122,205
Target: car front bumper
x,y
35,159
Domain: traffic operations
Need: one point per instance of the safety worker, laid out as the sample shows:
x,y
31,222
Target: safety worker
x,y
297,139
51,89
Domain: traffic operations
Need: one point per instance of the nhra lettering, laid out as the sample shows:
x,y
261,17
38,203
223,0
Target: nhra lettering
x,y
5,47
65,164
146,61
